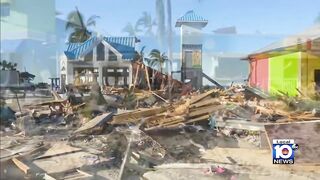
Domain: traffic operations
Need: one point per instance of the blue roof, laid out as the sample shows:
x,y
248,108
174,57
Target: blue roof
x,y
191,17
124,45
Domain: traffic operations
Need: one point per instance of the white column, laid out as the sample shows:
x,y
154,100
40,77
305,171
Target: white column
x,y
130,75
100,79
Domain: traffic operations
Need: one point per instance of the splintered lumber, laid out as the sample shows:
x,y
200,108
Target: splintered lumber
x,y
202,96
182,109
306,134
160,97
97,121
205,103
200,118
23,167
172,120
135,116
56,96
205,110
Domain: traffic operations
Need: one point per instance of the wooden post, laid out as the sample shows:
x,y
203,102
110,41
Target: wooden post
x,y
147,77
18,102
136,76
125,160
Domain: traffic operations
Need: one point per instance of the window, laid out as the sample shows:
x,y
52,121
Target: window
x,y
5,9
89,56
112,56
100,52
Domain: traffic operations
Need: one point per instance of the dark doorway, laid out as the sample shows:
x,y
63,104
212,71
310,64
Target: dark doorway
x,y
317,79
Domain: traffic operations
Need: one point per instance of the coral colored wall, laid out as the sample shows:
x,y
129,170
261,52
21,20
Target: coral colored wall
x,y
259,74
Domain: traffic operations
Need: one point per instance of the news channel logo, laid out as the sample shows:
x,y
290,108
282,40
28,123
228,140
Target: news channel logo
x,y
283,151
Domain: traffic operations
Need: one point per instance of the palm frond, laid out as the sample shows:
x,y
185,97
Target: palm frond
x,y
129,29
92,20
81,19
73,21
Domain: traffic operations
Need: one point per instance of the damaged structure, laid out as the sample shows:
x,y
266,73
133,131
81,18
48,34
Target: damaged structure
x,y
291,66
108,59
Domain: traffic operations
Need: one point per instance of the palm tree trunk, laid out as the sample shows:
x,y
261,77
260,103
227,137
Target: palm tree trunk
x,y
162,77
169,29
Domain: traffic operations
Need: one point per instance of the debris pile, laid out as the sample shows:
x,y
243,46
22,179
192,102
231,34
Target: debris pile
x,y
144,134
216,107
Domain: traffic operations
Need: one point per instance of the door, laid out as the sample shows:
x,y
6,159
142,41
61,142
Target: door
x,y
317,79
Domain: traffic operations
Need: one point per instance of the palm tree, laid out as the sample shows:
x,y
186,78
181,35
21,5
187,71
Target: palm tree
x,y
76,23
4,65
169,29
157,58
132,31
146,21
160,21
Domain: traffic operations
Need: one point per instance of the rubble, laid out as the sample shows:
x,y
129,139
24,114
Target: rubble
x,y
139,133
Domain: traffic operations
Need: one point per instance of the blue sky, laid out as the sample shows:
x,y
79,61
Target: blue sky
x,y
249,16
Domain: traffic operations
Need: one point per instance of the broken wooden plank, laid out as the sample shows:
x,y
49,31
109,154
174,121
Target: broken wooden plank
x,y
205,110
97,121
160,97
22,166
201,118
199,97
205,103
58,149
77,174
56,96
136,115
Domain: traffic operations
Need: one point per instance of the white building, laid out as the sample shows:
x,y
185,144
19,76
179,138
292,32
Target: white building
x,y
109,58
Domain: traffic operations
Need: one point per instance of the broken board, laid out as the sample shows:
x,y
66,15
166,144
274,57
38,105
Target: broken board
x,y
97,121
58,149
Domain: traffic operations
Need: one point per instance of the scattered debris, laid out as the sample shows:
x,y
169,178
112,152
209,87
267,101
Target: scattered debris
x,y
121,133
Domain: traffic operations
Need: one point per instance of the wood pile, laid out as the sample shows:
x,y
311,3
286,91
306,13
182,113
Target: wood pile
x,y
222,105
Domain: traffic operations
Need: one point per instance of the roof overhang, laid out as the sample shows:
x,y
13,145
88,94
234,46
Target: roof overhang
x,y
192,23
312,47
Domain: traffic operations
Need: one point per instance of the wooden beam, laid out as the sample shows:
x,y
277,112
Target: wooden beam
x,y
201,118
205,103
23,167
201,96
136,115
97,121
206,110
